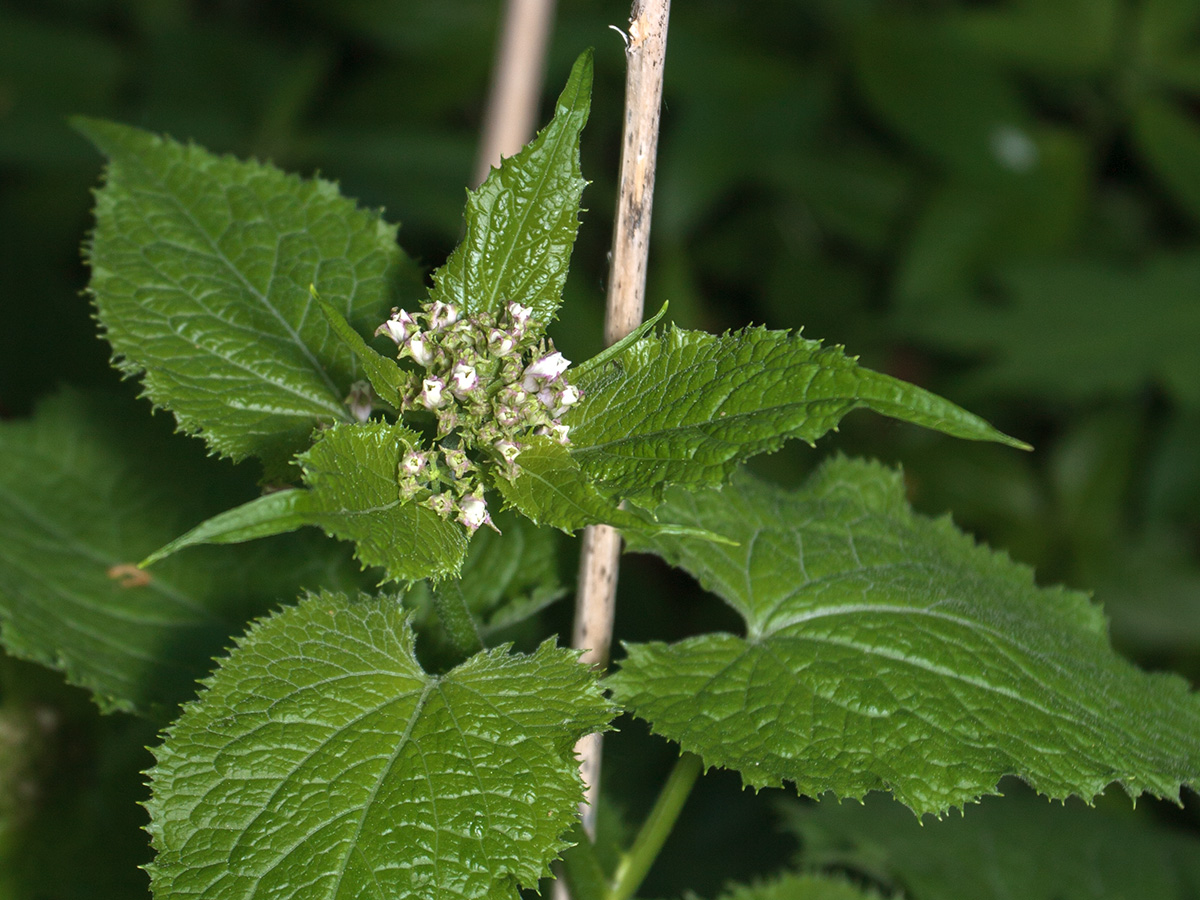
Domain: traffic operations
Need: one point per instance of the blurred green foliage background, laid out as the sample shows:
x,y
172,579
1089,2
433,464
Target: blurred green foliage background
x,y
997,200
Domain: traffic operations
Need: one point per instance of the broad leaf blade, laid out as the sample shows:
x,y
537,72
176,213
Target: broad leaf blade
x,y
551,489
885,651
521,222
685,407
351,473
323,756
87,488
201,267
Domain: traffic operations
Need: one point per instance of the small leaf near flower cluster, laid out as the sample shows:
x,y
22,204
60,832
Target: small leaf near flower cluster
x,y
490,382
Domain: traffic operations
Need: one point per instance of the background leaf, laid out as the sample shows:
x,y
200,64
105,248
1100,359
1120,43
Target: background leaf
x,y
90,484
521,221
201,267
1004,848
1077,330
686,407
884,651
323,755
793,886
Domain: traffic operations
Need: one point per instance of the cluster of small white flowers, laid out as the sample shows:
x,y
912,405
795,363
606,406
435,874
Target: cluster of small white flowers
x,y
490,383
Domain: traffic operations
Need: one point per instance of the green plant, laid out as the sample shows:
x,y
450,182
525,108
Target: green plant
x,y
333,755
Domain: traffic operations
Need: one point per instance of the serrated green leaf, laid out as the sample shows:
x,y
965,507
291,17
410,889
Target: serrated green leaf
x,y
521,222
686,407
886,651
86,489
1004,848
353,494
323,762
201,267
550,488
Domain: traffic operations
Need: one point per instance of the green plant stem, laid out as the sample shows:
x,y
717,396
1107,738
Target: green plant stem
x,y
456,617
636,863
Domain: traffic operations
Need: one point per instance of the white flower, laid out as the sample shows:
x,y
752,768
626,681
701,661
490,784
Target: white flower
x,y
508,450
565,399
548,396
418,349
520,315
473,512
501,342
441,315
465,379
398,326
432,393
413,462
544,368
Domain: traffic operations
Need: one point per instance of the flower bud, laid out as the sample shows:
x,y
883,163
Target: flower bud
x,y
473,512
359,400
500,342
442,315
506,415
519,315
558,432
442,504
457,462
447,419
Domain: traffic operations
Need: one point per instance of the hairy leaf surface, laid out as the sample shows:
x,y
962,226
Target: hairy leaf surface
x,y
521,222
353,494
685,407
886,651
1005,848
551,489
323,762
201,267
86,489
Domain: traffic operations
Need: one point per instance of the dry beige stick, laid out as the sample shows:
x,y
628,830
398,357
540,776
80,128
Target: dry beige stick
x,y
645,55
516,82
